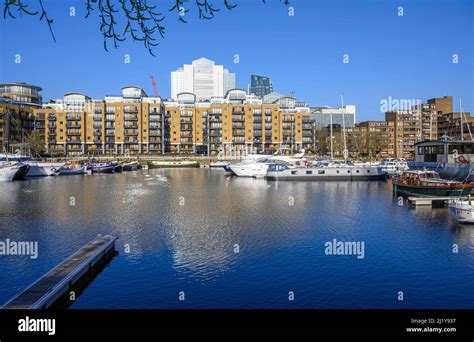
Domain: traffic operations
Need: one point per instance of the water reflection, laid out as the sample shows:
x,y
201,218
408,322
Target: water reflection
x,y
186,224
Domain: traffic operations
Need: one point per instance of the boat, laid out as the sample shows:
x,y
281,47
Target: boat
x,y
394,166
462,209
221,165
72,171
130,166
325,172
101,167
117,167
13,171
258,168
36,169
428,184
172,164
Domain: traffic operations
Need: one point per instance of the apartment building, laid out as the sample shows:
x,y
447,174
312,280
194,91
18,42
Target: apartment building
x,y
17,103
134,123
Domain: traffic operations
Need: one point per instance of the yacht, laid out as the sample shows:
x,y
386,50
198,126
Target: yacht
x,y
462,210
12,171
36,169
258,168
394,166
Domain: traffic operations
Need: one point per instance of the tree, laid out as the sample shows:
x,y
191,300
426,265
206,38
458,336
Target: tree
x,y
35,143
128,19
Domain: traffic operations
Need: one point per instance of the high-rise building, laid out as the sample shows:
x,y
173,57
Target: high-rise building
x,y
260,85
203,78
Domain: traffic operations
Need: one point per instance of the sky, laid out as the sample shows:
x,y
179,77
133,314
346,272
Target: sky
x,y
302,47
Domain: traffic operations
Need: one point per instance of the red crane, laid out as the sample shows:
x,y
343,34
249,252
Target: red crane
x,y
155,89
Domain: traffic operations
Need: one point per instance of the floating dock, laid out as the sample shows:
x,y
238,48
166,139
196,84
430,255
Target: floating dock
x,y
419,201
48,289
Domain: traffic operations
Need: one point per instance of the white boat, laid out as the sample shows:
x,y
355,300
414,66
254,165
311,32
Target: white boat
x,y
36,169
394,166
12,171
218,165
259,167
462,210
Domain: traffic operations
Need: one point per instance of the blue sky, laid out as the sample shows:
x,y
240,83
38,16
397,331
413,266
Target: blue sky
x,y
403,57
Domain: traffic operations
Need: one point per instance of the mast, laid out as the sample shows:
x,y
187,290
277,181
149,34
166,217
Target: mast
x,y
344,152
330,130
462,125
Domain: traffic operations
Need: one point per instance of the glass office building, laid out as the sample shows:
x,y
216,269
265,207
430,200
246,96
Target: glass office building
x,y
260,85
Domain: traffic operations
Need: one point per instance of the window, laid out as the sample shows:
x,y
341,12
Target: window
x,y
294,172
309,172
357,171
337,171
321,172
368,171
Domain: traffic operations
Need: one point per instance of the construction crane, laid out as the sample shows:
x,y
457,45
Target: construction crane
x,y
155,89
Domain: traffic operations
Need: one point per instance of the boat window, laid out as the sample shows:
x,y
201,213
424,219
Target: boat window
x,y
294,172
348,171
321,172
337,171
309,172
368,171
357,171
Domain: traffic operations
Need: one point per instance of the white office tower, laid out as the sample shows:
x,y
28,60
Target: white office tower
x,y
203,78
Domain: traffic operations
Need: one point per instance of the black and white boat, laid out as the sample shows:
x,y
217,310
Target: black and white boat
x,y
13,171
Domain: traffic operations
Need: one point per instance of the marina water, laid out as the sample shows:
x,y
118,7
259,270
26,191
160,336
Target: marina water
x,y
238,243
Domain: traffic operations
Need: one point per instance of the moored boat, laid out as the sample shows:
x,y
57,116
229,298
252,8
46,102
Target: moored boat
x,y
337,172
101,167
462,210
13,171
428,184
172,164
130,166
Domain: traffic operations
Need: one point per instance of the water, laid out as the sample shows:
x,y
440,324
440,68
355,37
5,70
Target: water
x,y
183,226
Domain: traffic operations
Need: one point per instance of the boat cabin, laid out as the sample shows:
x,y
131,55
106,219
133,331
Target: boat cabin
x,y
444,151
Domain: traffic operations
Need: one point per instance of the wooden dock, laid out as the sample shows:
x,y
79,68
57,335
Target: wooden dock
x,y
48,289
424,201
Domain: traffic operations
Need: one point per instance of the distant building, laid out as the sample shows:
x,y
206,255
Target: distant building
x,y
203,78
324,116
272,97
260,85
17,102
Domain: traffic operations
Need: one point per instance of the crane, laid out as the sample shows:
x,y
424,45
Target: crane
x,y
155,89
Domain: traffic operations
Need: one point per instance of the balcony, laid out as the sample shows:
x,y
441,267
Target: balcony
x,y
128,117
238,125
154,118
238,118
131,132
73,132
154,133
71,117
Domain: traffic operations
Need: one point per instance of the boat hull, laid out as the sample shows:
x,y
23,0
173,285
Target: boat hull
x,y
463,212
10,173
102,169
328,174
172,164
439,191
